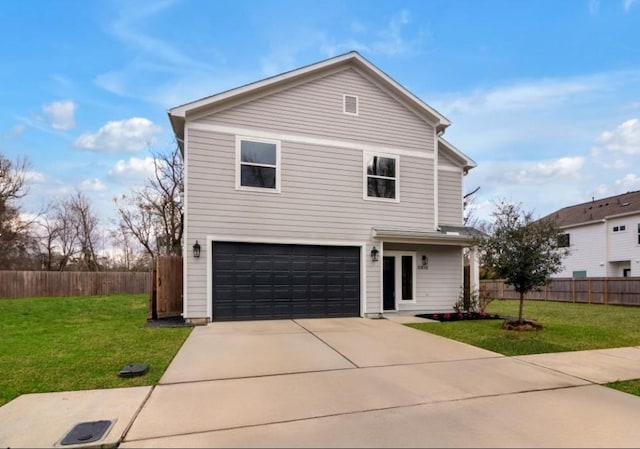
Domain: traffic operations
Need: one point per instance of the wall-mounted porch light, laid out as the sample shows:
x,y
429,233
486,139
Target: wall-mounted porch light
x,y
425,263
374,254
196,250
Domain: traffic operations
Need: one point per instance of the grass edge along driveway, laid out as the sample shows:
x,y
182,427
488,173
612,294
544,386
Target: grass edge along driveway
x,y
78,343
568,327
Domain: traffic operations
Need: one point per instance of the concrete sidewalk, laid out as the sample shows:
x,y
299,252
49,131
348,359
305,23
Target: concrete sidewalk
x,y
349,382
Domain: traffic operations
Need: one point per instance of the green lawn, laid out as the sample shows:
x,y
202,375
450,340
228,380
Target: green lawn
x,y
58,344
568,327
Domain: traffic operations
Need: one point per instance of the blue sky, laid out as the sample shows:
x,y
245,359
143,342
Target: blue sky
x,y
544,95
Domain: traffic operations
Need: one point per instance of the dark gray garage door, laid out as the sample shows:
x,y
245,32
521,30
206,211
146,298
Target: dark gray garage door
x,y
265,281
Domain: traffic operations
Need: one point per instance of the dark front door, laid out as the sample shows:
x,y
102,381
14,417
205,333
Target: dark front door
x,y
389,283
258,281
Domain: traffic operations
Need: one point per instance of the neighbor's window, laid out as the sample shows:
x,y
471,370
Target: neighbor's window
x,y
616,229
581,274
258,164
623,228
564,241
382,177
638,233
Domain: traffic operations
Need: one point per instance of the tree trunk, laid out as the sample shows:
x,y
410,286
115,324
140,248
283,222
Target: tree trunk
x,y
521,306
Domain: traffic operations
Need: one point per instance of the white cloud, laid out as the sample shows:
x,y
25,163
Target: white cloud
x,y
539,172
626,4
525,95
129,135
565,166
60,114
624,139
391,40
627,183
15,131
34,177
133,169
93,184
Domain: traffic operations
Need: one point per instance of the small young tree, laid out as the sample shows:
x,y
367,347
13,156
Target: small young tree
x,y
521,251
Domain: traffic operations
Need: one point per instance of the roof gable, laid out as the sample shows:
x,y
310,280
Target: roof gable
x,y
625,204
178,114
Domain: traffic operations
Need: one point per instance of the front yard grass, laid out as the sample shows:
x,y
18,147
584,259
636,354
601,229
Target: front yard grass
x,y
78,343
567,327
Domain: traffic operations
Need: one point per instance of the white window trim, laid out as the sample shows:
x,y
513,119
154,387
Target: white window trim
x,y
398,275
278,167
365,176
344,104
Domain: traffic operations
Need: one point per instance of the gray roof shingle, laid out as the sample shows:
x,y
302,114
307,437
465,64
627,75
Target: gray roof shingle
x,y
596,209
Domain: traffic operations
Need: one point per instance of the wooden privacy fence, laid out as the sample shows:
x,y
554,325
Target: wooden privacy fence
x,y
165,295
618,291
25,284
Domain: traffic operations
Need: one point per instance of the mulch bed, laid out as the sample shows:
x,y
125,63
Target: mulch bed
x,y
461,316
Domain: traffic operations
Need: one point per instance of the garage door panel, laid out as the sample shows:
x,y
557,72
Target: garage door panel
x,y
269,281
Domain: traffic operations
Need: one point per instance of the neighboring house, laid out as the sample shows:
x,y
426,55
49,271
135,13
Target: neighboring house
x,y
326,191
603,237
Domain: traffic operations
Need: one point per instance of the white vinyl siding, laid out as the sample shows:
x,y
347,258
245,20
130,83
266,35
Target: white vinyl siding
x,y
320,199
446,160
438,287
587,251
315,108
623,245
450,203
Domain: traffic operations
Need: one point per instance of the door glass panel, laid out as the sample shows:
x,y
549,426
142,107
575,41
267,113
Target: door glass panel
x,y
407,277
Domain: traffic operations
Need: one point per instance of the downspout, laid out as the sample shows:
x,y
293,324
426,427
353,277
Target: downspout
x,y
436,206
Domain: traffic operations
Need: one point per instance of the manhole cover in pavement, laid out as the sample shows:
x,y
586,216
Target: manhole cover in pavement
x,y
86,432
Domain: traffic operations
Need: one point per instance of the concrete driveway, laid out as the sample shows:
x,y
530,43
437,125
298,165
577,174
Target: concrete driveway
x,y
369,383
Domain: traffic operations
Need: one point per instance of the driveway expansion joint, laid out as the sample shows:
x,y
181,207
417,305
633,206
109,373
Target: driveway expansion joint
x,y
331,347
356,412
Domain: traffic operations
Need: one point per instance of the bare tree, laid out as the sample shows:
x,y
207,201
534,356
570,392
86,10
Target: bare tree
x,y
17,244
70,234
153,214
84,222
468,201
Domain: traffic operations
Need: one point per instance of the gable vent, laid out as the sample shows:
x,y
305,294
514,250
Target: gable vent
x,y
350,104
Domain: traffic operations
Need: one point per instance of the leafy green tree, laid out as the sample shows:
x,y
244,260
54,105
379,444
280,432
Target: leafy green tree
x,y
520,250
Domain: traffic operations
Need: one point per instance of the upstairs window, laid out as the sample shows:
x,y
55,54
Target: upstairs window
x,y
564,241
381,177
619,228
258,164
638,233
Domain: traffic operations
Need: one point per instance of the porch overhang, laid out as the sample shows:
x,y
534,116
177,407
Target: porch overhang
x,y
451,236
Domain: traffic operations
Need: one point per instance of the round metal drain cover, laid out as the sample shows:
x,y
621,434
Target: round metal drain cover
x,y
133,370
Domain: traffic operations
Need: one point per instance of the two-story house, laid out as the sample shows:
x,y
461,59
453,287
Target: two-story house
x,y
603,237
326,191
